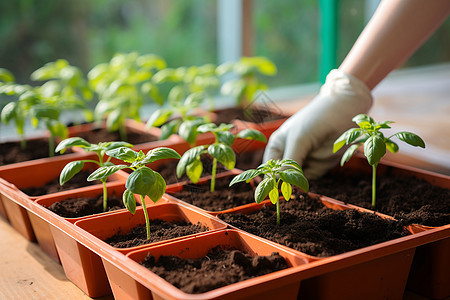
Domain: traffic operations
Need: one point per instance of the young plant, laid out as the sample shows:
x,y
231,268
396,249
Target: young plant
x,y
72,168
286,171
220,151
143,180
123,85
247,70
375,143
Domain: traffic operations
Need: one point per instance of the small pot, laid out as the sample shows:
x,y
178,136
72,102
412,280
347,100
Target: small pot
x,y
137,282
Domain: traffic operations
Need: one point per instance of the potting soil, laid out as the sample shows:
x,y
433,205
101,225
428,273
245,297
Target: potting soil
x,y
80,207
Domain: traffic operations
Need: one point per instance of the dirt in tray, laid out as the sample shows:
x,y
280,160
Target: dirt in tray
x,y
308,226
103,135
409,199
11,152
255,115
224,197
53,186
220,267
160,230
80,207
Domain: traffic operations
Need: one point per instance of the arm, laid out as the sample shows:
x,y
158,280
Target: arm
x,y
395,31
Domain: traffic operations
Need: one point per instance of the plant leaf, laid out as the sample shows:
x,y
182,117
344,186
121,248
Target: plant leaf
x,y
245,176
348,154
8,112
263,189
224,154
374,149
105,172
129,201
187,158
160,153
353,135
341,140
274,196
391,145
158,189
70,170
286,190
141,181
296,178
194,170
169,128
252,134
225,137
114,145
411,138
123,153
72,142
158,118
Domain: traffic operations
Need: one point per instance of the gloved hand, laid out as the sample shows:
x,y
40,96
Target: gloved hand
x,y
308,136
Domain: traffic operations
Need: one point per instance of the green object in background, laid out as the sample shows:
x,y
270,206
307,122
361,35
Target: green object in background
x,y
328,37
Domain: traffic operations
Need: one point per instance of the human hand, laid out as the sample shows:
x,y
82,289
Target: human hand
x,y
308,136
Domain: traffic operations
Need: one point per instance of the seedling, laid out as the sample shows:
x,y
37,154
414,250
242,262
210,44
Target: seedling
x,y
72,168
143,180
220,151
247,83
375,143
123,85
286,171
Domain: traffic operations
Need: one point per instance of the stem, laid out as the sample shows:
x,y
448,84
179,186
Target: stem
x,y
51,145
374,186
147,221
105,196
23,143
213,175
278,212
123,132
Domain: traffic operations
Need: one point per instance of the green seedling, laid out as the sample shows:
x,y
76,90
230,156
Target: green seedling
x,y
123,85
220,151
247,70
375,143
72,168
143,180
286,171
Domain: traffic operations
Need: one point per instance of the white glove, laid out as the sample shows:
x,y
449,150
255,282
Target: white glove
x,y
308,136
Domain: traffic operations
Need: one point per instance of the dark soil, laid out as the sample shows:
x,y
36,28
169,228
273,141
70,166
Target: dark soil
x,y
80,207
220,267
255,115
160,230
409,199
11,152
53,186
308,226
249,160
103,135
224,197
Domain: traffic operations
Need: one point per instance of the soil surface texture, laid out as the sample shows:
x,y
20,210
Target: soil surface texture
x,y
224,197
409,199
254,115
80,207
308,226
103,135
11,152
53,186
220,267
160,230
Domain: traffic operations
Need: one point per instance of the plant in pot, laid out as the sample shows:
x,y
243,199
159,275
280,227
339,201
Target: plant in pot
x,y
375,143
123,85
192,87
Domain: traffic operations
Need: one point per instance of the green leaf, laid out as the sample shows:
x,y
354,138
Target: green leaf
x,y
341,140
160,153
8,112
187,158
158,189
292,163
252,134
207,127
45,112
72,142
225,137
114,145
169,128
129,201
410,138
123,153
296,178
286,190
114,119
348,154
158,118
263,189
391,146
224,154
188,130
70,170
362,118
194,170
353,135
105,171
245,176
374,149
6,75
274,196
141,181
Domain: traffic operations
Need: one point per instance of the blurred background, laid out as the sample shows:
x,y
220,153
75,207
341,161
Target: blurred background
x,y
189,32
